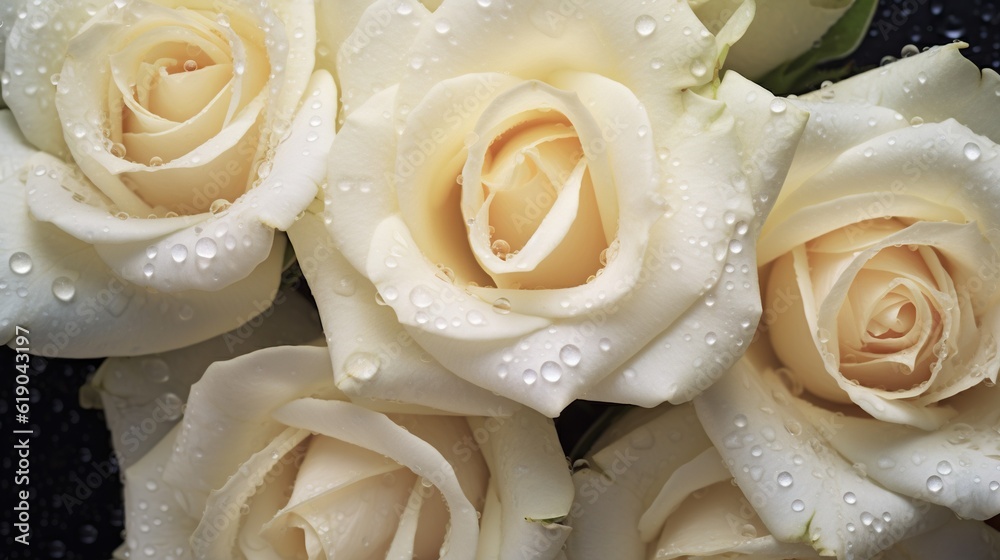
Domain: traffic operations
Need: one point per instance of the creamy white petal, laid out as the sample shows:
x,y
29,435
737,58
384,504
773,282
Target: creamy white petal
x,y
150,503
936,85
957,538
353,424
35,51
802,488
237,398
378,361
374,55
142,396
532,482
76,307
956,465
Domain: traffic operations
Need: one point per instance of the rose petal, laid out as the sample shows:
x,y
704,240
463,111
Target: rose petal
x,y
803,490
147,392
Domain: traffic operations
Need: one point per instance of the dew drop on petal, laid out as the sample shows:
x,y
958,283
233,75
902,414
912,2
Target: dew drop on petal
x,y
20,263
935,484
570,355
179,253
63,288
645,25
206,248
785,479
944,467
778,105
850,498
798,505
551,371
529,376
361,366
972,151
501,306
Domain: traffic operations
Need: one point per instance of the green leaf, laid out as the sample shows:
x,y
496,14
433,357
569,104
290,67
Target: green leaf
x,y
801,74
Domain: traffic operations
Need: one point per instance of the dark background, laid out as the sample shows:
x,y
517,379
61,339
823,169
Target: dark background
x,y
68,439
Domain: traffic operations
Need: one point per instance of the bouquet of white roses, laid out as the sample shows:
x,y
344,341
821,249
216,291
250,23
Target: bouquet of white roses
x,y
501,209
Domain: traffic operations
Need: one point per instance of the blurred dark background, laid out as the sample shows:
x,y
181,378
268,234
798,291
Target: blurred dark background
x,y
68,441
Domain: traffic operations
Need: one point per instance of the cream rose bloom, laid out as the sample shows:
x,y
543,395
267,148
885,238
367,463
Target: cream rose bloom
x,y
883,249
271,460
545,201
654,487
872,386
175,138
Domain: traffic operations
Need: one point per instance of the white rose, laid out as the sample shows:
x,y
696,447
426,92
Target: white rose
x,y
654,487
184,120
271,461
552,200
872,386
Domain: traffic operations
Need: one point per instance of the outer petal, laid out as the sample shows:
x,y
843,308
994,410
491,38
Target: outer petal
x,y
955,539
935,85
76,307
377,361
957,465
532,483
142,396
803,490
38,41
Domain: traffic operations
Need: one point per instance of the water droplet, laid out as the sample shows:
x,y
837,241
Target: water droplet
x,y
850,498
778,105
442,26
219,206
711,338
206,248
645,25
361,366
972,151
935,484
148,269
190,65
994,485
740,421
530,376
698,69
798,505
735,246
604,344
551,371
944,467
179,253
63,288
501,306
785,479
20,263
421,298
155,161
172,406
570,355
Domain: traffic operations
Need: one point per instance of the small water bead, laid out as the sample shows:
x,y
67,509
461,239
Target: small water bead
x,y
972,151
173,406
867,518
756,451
698,69
994,485
645,25
740,421
529,376
798,505
551,371
785,479
850,498
155,161
219,206
501,248
206,248
604,344
501,306
442,26
20,263
421,298
179,253
63,288
711,338
118,150
778,105
944,467
886,463
361,366
570,355
148,269
935,484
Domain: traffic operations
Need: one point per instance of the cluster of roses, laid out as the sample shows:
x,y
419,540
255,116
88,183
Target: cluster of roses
x,y
500,207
